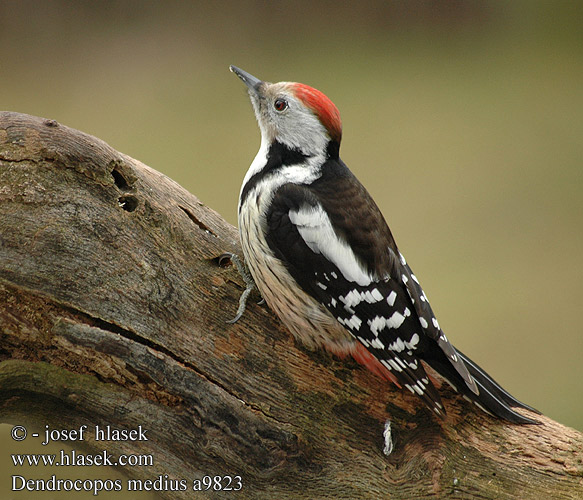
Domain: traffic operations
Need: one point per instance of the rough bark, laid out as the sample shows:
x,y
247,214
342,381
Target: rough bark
x,y
112,312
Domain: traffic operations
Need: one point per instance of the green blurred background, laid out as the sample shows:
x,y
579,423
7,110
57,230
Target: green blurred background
x,y
463,118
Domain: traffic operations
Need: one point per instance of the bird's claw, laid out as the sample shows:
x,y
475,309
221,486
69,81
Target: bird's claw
x,y
247,278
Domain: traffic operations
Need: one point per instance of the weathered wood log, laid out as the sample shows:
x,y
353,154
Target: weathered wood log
x,y
112,312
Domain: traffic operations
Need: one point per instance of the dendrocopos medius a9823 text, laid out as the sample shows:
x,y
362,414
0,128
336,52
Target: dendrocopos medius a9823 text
x,y
324,259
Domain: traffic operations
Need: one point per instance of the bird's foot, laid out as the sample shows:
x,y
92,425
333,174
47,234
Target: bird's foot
x,y
250,285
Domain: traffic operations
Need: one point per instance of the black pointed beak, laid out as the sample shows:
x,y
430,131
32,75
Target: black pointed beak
x,y
249,80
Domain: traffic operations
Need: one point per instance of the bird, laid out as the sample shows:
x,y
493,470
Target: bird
x,y
320,252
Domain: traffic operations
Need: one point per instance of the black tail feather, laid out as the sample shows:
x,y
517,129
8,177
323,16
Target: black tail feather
x,y
492,386
492,398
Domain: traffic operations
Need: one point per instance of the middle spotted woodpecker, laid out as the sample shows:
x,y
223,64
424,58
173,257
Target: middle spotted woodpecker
x,y
324,259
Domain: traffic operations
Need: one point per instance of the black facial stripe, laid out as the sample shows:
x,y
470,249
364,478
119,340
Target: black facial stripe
x,y
278,156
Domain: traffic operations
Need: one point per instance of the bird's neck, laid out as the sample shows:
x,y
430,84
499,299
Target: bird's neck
x,y
277,163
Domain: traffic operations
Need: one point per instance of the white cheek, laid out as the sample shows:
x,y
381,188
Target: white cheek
x,y
300,129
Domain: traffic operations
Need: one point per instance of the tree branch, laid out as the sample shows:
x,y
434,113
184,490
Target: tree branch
x,y
113,311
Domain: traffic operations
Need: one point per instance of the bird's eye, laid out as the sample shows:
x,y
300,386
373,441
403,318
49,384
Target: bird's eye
x,y
280,104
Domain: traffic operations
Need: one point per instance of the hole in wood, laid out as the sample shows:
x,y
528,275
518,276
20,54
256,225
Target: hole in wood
x,y
224,260
129,203
120,181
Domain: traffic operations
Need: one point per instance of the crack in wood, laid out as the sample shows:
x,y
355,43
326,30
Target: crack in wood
x,y
198,222
89,320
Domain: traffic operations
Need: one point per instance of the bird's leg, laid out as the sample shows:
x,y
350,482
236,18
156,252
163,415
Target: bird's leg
x,y
249,283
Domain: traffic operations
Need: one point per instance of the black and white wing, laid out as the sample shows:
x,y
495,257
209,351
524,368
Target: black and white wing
x,y
331,263
337,246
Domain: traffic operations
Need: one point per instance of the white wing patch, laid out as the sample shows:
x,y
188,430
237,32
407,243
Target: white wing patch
x,y
316,229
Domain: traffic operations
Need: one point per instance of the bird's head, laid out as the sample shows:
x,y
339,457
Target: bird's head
x,y
294,114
